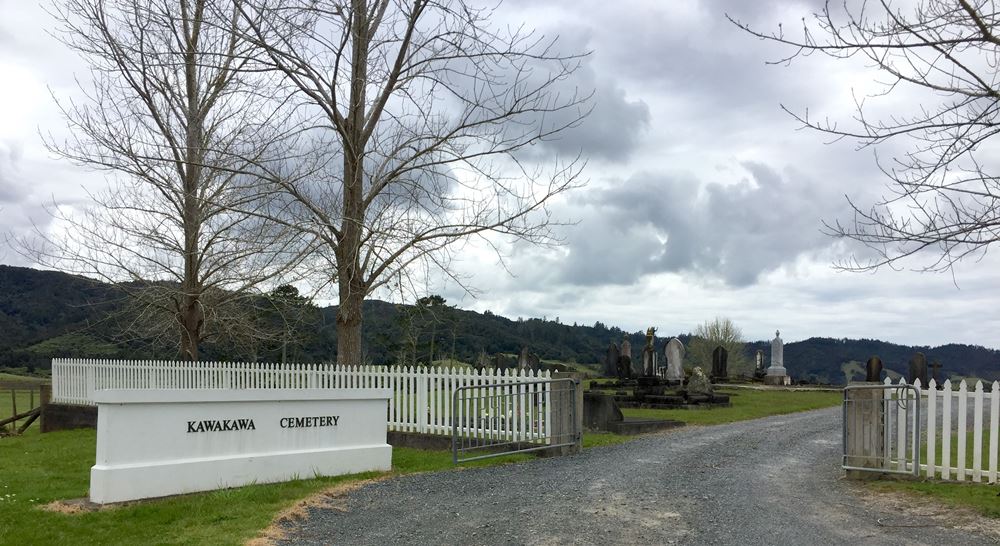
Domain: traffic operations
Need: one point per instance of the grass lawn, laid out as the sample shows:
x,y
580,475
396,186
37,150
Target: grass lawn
x,y
28,380
981,497
746,404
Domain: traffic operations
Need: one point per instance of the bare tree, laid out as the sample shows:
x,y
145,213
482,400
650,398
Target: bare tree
x,y
426,111
943,191
719,331
181,118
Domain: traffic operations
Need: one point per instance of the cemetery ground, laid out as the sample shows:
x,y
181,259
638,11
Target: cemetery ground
x,y
38,470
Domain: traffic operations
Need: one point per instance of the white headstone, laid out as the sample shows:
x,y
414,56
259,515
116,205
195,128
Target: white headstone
x,y
675,360
777,356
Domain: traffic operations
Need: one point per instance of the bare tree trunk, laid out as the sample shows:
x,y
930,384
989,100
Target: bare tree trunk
x,y
352,288
191,319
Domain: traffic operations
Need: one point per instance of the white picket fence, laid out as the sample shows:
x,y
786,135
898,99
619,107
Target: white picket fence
x,y
421,403
950,420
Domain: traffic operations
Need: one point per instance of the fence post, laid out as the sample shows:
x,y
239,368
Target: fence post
x,y
567,424
865,433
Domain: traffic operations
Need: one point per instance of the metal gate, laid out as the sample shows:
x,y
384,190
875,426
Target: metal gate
x,y
517,417
881,429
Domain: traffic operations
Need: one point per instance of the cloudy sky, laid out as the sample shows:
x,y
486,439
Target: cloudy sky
x,y
703,199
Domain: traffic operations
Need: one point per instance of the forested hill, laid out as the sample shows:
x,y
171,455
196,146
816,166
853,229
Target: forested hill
x,y
45,314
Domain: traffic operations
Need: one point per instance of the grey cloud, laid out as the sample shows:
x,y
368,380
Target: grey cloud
x,y
614,128
616,124
736,232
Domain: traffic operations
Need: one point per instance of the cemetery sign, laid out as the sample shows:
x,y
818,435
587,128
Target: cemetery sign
x,y
154,443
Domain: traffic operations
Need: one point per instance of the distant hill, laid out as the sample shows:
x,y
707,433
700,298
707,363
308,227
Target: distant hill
x,y
45,314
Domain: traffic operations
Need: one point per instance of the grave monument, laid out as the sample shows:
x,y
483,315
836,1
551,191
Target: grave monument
x,y
918,369
873,369
611,360
720,363
776,373
649,354
625,360
675,357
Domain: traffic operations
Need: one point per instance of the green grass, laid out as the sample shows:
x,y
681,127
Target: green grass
x,y
26,379
980,497
746,404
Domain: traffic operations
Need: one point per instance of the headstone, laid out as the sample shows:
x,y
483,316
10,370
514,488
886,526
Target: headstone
x,y
720,361
611,362
675,360
648,362
776,373
482,362
935,367
522,360
873,369
625,360
918,369
534,363
759,360
698,383
649,354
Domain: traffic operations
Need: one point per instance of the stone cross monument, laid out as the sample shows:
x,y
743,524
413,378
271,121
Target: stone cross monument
x,y
776,373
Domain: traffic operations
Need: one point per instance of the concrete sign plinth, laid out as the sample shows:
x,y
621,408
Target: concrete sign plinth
x,y
154,443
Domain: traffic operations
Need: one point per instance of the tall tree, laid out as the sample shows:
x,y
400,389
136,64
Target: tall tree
x,y
177,113
719,331
945,192
425,110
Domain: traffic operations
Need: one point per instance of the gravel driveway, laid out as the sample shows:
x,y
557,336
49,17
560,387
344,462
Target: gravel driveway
x,y
768,481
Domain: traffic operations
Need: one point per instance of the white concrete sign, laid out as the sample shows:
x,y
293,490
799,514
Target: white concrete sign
x,y
154,443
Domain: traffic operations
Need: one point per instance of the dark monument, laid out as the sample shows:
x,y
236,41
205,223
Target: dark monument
x,y
918,369
534,363
625,360
522,361
720,363
935,366
482,362
611,361
873,369
624,367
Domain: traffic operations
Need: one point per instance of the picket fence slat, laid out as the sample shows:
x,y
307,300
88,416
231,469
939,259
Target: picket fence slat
x,y
977,433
